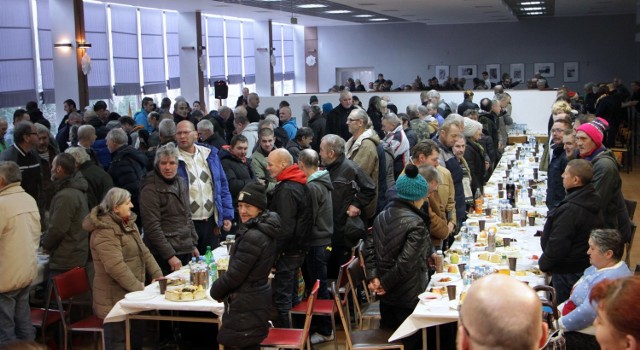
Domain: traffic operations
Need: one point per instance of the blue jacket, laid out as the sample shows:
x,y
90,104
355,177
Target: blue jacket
x,y
221,192
141,119
291,128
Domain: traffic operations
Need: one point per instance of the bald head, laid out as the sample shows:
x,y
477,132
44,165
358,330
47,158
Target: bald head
x,y
278,160
489,318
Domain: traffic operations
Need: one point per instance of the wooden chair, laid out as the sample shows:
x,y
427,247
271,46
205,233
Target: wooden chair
x,y
365,311
45,317
290,338
324,307
363,339
623,147
550,308
629,245
631,207
66,287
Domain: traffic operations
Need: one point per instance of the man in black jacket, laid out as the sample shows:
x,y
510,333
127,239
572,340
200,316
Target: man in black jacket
x,y
337,118
557,163
237,168
320,188
292,201
352,191
128,166
99,180
565,238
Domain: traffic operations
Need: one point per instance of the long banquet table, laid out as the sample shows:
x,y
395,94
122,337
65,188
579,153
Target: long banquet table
x,y
526,248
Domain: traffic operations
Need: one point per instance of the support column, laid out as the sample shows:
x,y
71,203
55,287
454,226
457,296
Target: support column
x,y
190,37
70,82
311,56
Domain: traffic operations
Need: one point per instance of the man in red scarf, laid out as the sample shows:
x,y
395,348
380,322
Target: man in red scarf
x,y
291,199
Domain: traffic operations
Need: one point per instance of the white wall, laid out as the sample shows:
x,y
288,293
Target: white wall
x,y
603,45
530,107
65,60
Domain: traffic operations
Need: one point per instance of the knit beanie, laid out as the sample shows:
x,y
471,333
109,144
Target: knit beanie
x,y
254,194
471,127
313,99
595,130
410,185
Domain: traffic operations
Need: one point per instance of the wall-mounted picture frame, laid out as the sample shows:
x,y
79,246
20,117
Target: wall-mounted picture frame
x,y
442,73
547,70
468,71
516,70
494,72
571,72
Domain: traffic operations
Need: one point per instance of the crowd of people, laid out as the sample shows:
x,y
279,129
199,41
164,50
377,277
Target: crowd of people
x,y
133,199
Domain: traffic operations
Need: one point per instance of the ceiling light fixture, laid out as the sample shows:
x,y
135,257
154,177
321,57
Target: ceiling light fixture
x,y
337,11
311,6
62,45
532,8
378,19
363,16
527,3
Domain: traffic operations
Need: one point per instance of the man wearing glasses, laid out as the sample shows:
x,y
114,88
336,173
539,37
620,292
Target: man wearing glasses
x,y
24,152
500,312
557,163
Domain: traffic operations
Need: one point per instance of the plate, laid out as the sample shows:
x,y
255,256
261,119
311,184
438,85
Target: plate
x,y
428,297
139,296
449,278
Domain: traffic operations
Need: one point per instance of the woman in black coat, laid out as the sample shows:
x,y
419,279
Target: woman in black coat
x,y
474,153
245,287
396,253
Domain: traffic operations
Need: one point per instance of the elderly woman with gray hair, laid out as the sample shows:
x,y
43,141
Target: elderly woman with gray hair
x,y
606,248
166,218
120,260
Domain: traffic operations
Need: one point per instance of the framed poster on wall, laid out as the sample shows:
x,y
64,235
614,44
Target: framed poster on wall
x,y
547,70
442,73
516,70
571,72
468,71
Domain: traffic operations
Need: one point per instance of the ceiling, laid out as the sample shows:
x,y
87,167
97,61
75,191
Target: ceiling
x,y
430,12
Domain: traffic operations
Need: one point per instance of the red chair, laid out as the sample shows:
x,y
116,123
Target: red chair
x,y
45,317
66,286
323,307
290,338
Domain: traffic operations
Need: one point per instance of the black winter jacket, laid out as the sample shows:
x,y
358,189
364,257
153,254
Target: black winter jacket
x,y
166,216
127,168
245,286
351,186
555,189
565,238
337,121
238,174
474,156
396,253
318,124
99,182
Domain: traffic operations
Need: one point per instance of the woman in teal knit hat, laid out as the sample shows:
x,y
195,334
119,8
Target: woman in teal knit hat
x,y
396,253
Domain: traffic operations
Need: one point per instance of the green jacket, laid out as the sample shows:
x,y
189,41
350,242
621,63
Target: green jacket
x,y
259,167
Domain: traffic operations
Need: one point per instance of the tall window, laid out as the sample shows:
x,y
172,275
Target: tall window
x,y
152,52
173,49
283,71
46,52
95,27
18,81
124,36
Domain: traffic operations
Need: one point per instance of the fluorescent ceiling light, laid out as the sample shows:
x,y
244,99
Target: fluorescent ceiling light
x,y
311,6
337,11
531,3
534,13
363,16
378,19
532,8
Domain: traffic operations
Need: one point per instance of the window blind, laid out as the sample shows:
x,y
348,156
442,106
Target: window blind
x,y
124,34
46,51
95,27
173,49
152,51
248,53
215,49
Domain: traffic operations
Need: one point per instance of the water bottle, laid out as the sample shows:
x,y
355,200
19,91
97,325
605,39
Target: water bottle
x,y
439,261
466,243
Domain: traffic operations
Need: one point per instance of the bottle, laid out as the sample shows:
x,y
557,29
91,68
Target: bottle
x,y
491,241
439,261
466,243
213,270
511,193
208,255
203,273
478,201
192,271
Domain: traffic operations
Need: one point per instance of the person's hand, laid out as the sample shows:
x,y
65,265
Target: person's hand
x,y
451,226
353,211
376,287
142,283
226,225
431,260
261,181
175,263
195,252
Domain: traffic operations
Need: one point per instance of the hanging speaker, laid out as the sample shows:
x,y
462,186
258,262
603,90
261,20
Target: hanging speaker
x,y
221,89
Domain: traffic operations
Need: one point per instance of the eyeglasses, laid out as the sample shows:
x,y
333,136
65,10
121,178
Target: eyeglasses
x,y
557,130
351,120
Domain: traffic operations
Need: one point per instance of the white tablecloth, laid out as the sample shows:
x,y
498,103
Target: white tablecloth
x,y
443,311
125,306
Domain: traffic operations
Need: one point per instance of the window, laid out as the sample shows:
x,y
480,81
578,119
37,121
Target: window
x,y
248,53
95,27
46,52
18,83
215,49
124,34
152,52
173,49
283,71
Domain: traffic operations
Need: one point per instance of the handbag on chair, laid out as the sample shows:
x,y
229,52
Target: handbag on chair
x,y
555,339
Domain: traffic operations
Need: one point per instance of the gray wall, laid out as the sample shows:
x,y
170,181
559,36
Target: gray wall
x,y
604,46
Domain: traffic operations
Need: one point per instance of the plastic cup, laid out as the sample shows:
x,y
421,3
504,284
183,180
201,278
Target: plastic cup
x,y
500,184
535,173
512,263
487,211
475,237
506,241
482,224
461,268
530,191
532,220
533,201
501,194
451,291
508,172
162,282
531,183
